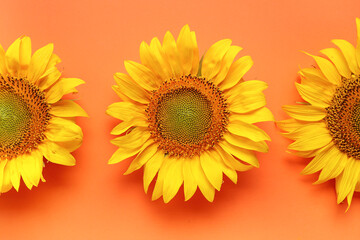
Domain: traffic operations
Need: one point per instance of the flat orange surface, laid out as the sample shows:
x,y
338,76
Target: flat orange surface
x,y
94,200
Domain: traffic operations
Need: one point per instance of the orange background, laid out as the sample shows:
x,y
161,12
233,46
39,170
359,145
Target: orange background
x,y
94,200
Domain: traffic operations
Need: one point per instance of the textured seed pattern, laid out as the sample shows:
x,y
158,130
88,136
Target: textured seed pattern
x,y
343,117
24,116
187,116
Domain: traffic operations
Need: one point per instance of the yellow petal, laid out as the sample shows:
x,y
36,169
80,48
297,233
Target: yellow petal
x,y
230,173
51,66
3,70
314,97
348,180
125,111
146,152
226,63
236,72
312,142
6,184
49,79
153,58
122,96
159,55
124,126
142,75
172,53
71,145
305,154
137,137
358,41
232,163
358,30
56,154
290,124
51,74
349,53
333,168
123,153
245,143
14,173
131,89
260,115
247,102
212,169
305,112
212,60
3,163
195,61
204,185
31,166
159,185
320,160
67,108
190,184
61,88
244,155
173,178
246,87
24,54
339,61
12,57
328,69
63,130
152,167
315,79
38,63
186,49
249,131
306,130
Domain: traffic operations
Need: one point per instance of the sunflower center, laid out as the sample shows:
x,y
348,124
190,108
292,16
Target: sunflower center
x,y
187,116
24,115
343,117
184,115
14,118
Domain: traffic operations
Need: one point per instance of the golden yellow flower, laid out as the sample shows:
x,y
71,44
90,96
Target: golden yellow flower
x,y
327,125
34,121
188,121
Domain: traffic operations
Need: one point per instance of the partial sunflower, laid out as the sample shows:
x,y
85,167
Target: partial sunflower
x,y
188,121
327,125
34,121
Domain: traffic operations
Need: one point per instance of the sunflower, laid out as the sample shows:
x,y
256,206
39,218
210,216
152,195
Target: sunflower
x,y
34,121
327,126
188,121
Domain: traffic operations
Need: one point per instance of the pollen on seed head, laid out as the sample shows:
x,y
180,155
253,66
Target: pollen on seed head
x,y
187,116
343,117
24,115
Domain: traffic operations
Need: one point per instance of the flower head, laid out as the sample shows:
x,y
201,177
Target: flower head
x,y
34,121
186,120
327,126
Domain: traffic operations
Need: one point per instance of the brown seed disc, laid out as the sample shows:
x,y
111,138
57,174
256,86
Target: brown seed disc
x,y
24,116
343,117
187,116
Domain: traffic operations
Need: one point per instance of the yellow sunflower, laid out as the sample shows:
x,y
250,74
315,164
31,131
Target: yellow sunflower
x,y
327,125
188,121
34,121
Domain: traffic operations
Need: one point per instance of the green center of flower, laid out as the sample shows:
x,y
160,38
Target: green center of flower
x,y
15,118
24,116
187,116
184,115
343,117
